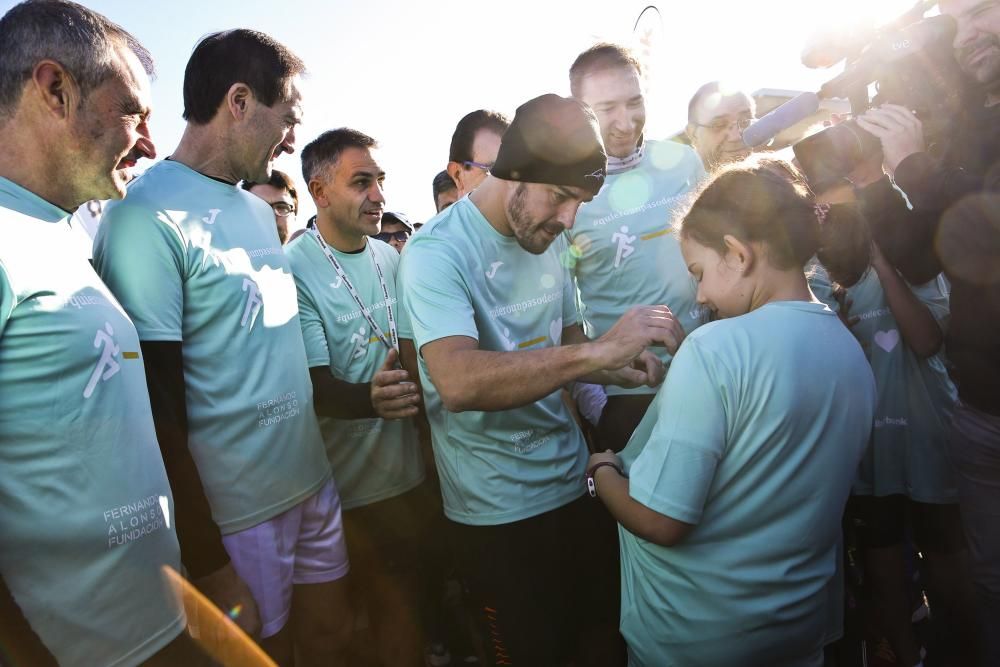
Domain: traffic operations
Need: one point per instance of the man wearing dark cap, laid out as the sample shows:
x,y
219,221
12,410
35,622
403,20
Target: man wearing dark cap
x,y
396,230
494,319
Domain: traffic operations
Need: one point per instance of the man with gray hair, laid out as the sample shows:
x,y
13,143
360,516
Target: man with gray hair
x,y
717,116
86,512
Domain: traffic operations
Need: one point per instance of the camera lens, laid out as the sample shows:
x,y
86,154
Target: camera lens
x,y
828,156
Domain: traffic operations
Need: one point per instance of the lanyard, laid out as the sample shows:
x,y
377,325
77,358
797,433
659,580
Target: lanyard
x,y
391,342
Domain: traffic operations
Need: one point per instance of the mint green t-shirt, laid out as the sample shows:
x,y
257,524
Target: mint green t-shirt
x,y
372,459
196,260
759,455
460,277
624,250
908,453
86,513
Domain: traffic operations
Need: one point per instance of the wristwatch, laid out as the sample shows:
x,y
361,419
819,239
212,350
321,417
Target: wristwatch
x,y
591,485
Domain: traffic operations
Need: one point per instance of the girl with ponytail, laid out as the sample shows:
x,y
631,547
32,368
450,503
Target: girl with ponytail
x,y
730,493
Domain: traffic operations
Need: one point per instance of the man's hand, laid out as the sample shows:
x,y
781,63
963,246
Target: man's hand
x,y
393,395
640,327
646,369
231,594
901,133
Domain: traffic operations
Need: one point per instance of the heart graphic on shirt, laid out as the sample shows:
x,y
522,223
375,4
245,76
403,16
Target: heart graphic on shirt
x,y
887,340
555,330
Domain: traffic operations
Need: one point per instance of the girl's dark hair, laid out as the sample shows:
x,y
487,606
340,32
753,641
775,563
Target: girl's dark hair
x,y
767,201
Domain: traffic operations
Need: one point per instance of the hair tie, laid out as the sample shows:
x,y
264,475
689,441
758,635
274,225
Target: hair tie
x,y
821,211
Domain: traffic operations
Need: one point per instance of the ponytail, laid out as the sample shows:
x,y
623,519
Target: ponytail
x,y
766,200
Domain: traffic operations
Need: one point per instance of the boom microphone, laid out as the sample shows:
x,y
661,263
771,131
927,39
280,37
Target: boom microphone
x,y
788,114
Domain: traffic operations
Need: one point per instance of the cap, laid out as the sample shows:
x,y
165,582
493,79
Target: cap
x,y
398,218
555,140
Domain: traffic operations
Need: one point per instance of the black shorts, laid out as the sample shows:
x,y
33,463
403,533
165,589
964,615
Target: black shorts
x,y
542,583
882,522
388,536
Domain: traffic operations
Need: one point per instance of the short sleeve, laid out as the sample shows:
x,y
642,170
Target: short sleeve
x,y
313,331
674,472
435,295
403,327
140,256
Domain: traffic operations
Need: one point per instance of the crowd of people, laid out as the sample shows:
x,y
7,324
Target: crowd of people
x,y
641,401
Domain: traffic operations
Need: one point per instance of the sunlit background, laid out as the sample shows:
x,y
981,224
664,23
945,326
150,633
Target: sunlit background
x,y
406,71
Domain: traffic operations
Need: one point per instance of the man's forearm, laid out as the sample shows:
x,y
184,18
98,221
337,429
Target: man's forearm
x,y
333,397
473,379
202,551
408,360
932,186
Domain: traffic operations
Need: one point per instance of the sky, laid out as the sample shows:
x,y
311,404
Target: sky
x,y
405,71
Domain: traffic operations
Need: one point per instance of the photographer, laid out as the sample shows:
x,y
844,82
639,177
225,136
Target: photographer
x,y
954,227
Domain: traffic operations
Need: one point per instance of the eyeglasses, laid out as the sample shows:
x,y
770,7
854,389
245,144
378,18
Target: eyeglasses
x,y
723,125
478,165
401,236
282,209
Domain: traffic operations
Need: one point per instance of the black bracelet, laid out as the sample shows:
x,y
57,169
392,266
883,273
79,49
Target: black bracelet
x,y
591,485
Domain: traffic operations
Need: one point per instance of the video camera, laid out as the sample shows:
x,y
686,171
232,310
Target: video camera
x,y
912,64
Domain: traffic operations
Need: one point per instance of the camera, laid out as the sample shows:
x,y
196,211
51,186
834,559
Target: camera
x,y
912,66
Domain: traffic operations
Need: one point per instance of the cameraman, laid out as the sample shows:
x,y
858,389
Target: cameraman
x,y
955,227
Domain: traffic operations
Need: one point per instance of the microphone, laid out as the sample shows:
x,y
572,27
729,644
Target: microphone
x,y
788,114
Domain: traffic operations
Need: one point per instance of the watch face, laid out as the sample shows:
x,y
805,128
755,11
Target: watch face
x,y
591,487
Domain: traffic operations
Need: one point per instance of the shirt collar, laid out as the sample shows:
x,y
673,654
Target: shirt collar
x,y
26,202
618,165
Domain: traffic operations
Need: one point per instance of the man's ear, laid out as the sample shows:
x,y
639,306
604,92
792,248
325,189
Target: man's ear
x,y
689,131
455,170
317,190
55,88
238,99
739,255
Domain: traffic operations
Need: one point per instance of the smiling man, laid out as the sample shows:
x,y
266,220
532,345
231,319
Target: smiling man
x,y
717,117
87,519
494,321
195,260
623,251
